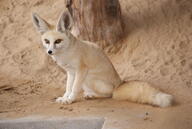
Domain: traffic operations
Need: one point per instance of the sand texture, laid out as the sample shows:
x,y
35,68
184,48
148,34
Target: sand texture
x,y
157,48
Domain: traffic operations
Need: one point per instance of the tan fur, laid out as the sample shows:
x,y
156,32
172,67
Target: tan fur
x,y
90,70
142,92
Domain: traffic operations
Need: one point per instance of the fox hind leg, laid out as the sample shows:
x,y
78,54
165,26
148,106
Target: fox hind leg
x,y
97,89
93,95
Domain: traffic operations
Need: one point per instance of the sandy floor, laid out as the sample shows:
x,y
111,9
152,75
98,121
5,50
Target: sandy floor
x,y
27,98
156,48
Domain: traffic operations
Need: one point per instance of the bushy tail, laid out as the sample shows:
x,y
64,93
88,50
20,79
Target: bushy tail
x,y
142,92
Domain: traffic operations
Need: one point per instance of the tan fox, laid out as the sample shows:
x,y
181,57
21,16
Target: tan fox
x,y
89,69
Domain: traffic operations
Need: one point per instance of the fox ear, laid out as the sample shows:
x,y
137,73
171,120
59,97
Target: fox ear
x,y
65,22
41,25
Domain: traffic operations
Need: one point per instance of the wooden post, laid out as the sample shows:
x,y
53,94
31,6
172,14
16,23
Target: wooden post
x,y
96,20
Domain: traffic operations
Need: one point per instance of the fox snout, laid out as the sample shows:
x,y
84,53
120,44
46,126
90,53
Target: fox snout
x,y
50,49
50,52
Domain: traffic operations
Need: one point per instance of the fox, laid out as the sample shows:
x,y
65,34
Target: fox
x,y
88,68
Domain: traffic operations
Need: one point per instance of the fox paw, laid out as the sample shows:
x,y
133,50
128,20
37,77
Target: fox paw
x,y
89,96
64,100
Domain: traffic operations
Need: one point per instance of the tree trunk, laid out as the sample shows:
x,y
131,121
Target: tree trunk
x,y
96,20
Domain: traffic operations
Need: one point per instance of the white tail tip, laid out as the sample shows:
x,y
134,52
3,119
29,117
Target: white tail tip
x,y
163,100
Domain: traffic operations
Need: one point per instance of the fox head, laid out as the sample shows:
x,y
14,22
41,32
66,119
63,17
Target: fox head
x,y
54,39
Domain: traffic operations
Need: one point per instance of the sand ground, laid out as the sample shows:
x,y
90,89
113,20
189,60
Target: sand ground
x,y
27,98
156,48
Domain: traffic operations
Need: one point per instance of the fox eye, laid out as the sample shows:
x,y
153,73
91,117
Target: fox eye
x,y
46,41
58,41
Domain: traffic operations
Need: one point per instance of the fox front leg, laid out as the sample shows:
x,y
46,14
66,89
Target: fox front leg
x,y
70,80
80,76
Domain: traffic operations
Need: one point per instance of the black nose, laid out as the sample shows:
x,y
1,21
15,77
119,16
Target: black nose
x,y
50,52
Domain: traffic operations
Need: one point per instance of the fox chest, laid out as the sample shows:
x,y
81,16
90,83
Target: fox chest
x,y
65,64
